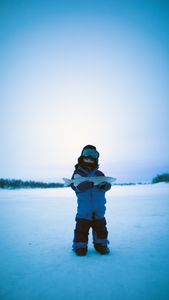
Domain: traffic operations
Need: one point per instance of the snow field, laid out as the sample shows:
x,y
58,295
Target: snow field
x,y
36,232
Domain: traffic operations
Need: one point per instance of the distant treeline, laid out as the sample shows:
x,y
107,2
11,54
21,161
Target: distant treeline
x,y
18,184
161,178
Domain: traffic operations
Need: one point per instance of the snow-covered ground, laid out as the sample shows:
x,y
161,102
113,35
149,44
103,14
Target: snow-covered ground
x,y
36,260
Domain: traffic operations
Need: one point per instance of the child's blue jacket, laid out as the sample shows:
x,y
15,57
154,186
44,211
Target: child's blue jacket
x,y
91,199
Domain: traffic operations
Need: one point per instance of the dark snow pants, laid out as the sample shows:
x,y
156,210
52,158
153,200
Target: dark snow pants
x,y
81,232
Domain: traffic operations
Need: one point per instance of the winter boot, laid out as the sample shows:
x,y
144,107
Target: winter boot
x,y
102,249
81,251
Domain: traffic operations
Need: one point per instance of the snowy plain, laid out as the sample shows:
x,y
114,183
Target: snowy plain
x,y
37,263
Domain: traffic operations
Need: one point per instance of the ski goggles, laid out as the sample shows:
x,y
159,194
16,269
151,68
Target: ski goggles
x,y
90,152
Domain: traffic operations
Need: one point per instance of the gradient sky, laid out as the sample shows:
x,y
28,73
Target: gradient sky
x,y
80,72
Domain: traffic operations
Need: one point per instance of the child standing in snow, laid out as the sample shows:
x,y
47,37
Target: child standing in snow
x,y
91,204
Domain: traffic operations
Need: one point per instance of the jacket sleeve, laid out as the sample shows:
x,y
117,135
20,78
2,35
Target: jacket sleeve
x,y
72,185
82,187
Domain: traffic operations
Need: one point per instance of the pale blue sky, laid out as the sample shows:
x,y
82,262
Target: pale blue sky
x,y
79,72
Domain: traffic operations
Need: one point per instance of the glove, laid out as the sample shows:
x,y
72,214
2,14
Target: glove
x,y
104,186
86,185
101,186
